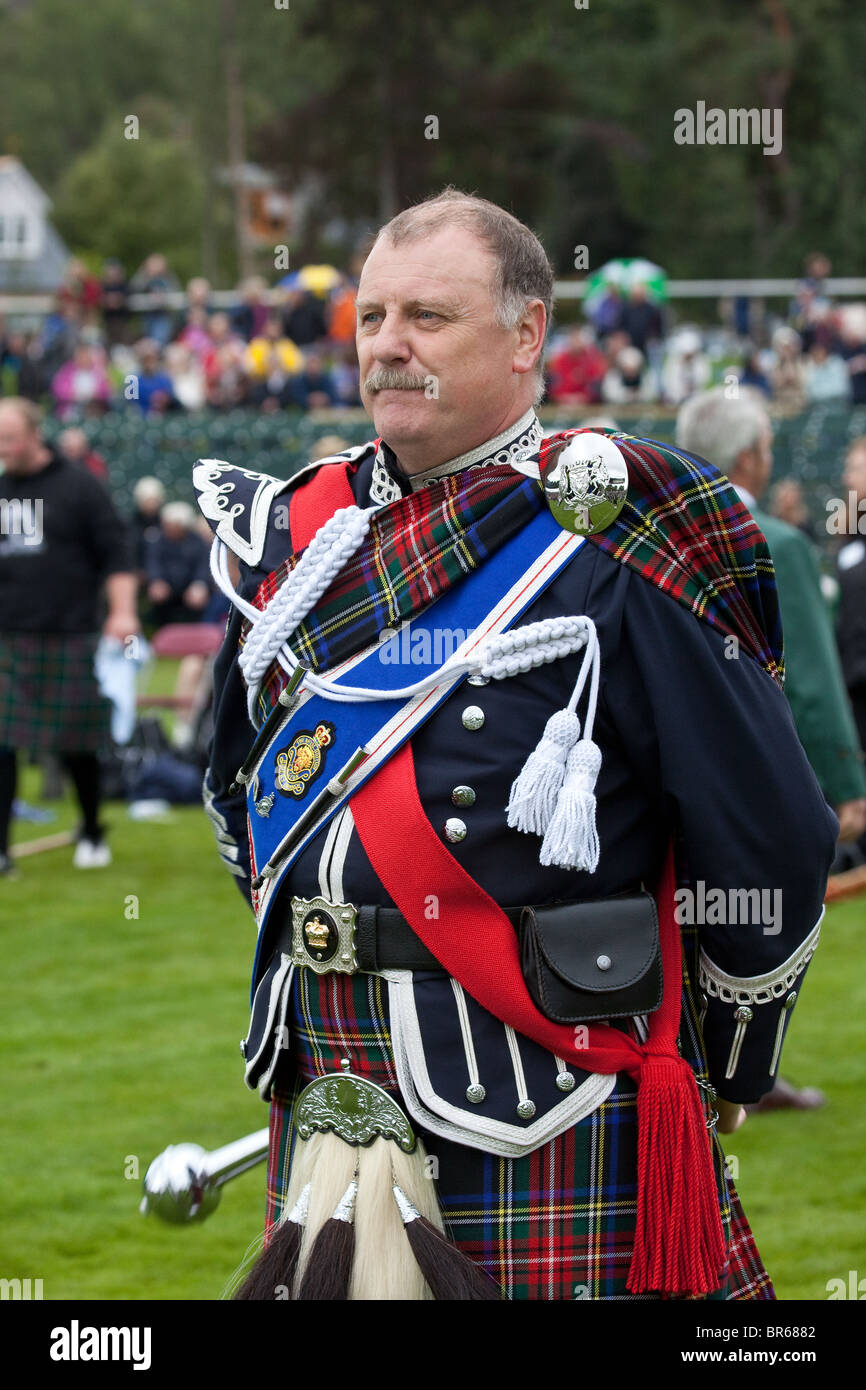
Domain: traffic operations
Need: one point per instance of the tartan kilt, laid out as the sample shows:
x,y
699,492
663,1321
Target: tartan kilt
x,y
555,1224
50,700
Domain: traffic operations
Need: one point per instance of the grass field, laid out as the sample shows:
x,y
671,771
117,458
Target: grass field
x,y
121,1034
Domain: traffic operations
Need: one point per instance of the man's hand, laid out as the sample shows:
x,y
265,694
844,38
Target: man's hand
x,y
731,1115
852,819
121,625
159,591
197,594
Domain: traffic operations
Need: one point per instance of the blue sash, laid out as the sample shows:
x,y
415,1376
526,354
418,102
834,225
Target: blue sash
x,y
321,734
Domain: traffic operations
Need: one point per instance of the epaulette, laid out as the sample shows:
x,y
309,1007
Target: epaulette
x,y
237,502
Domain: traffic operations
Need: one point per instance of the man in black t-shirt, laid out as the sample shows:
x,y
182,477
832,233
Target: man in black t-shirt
x,y
61,541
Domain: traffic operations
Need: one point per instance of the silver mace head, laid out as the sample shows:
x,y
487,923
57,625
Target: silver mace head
x,y
184,1182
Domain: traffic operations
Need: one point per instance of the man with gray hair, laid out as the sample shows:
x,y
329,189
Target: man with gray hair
x,y
464,993
736,434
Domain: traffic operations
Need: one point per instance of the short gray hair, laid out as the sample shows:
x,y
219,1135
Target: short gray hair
x,y
523,271
719,428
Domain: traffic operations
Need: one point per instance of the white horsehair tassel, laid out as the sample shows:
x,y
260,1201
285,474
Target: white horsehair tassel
x,y
536,788
571,841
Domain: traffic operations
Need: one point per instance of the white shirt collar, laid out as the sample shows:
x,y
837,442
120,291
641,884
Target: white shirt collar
x,y
746,497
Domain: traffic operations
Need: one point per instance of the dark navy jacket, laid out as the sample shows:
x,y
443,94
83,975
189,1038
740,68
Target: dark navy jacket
x,y
692,740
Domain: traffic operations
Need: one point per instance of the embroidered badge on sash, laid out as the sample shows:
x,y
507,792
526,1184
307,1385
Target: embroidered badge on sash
x,y
298,766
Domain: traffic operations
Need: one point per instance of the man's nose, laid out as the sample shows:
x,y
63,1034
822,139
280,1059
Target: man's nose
x,y
390,343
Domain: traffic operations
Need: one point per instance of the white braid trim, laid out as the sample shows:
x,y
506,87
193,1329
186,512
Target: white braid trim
x,y
333,544
503,654
497,659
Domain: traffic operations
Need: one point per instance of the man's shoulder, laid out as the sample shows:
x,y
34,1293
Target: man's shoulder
x,y
241,505
781,536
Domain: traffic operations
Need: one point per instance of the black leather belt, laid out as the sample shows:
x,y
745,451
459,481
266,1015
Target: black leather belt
x,y
327,936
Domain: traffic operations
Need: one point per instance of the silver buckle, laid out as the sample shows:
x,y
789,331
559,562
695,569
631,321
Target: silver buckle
x,y
323,935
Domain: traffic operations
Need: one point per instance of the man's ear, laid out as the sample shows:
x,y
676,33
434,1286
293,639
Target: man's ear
x,y
530,333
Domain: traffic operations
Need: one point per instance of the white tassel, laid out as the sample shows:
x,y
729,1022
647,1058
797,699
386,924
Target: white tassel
x,y
571,841
535,789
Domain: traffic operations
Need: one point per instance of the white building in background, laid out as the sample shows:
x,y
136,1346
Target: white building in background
x,y
32,254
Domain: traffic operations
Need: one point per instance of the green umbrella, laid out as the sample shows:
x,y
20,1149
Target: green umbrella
x,y
622,274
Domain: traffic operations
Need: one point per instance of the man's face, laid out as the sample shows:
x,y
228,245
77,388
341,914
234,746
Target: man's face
x,y
19,444
764,454
854,477
426,321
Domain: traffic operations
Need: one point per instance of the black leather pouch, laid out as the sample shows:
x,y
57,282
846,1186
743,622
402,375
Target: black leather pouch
x,y
593,960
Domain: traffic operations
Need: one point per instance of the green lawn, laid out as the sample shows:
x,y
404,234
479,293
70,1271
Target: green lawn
x,y
121,1036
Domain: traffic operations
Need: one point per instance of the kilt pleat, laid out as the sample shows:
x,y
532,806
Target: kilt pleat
x,y
50,699
555,1224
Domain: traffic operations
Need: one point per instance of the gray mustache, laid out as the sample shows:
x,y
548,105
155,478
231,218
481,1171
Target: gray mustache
x,y
386,379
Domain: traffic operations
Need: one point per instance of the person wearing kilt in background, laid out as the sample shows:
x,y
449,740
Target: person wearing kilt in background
x,y
61,543
527,948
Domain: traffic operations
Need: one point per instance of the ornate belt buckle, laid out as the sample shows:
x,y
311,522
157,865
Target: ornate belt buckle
x,y
323,935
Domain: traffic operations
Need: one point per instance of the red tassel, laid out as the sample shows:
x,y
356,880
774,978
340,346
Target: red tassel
x,y
679,1245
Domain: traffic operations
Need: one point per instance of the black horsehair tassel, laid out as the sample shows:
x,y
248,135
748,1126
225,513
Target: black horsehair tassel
x,y
451,1276
276,1267
328,1272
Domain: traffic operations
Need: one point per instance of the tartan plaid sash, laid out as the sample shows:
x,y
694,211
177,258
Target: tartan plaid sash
x,y
683,528
416,550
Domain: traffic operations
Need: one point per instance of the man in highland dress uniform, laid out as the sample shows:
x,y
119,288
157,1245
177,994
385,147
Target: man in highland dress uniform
x,y
556,897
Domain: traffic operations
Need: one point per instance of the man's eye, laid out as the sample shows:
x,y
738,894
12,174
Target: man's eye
x,y
372,314
427,313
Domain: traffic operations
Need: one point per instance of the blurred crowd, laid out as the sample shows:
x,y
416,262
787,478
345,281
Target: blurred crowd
x,y
291,346
629,352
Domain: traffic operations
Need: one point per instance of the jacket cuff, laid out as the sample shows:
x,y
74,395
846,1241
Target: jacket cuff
x,y
745,1019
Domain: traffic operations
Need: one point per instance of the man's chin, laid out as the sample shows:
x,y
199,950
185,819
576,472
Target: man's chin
x,y
404,413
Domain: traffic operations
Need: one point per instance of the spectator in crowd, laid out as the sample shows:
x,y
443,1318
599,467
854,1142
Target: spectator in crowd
x,y
26,362
736,435
152,385
270,361
577,370
195,333
148,497
340,311
825,374
346,375
629,379
81,385
686,367
248,319
641,319
788,504
851,617
187,375
114,302
154,278
51,580
752,374
177,567
312,388
852,334
811,305
303,317
606,314
74,445
786,376
79,293
326,446
225,379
